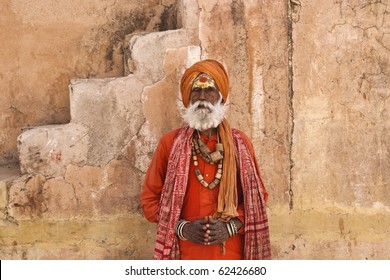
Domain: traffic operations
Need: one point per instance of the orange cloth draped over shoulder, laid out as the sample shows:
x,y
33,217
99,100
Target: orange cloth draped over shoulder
x,y
227,199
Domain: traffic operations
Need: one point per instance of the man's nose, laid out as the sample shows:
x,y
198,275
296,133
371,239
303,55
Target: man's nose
x,y
202,94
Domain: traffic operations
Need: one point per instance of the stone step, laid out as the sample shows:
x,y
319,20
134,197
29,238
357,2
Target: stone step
x,y
107,113
48,149
144,53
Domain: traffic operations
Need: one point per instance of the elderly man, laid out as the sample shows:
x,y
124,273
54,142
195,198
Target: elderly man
x,y
203,186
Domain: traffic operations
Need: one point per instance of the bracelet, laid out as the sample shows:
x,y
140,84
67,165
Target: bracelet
x,y
229,228
232,228
179,229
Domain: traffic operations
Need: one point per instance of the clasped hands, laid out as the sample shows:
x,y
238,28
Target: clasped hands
x,y
206,231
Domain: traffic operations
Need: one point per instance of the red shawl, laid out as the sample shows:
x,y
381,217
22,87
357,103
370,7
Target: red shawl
x,y
257,243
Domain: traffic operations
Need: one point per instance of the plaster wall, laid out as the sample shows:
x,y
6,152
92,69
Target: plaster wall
x,y
340,141
309,85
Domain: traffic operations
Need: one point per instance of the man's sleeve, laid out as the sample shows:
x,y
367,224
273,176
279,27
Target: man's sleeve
x,y
240,207
241,216
154,181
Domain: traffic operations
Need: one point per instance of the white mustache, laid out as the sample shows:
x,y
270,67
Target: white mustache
x,y
204,104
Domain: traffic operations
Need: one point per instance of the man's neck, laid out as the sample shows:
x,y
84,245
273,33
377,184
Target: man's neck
x,y
209,132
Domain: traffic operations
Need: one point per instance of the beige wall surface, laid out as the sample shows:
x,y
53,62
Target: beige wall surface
x,y
341,142
309,86
341,91
46,43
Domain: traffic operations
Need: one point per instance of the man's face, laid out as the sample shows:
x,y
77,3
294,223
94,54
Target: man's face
x,y
206,109
204,88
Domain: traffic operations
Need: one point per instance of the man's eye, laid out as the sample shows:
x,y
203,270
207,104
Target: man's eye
x,y
210,89
196,89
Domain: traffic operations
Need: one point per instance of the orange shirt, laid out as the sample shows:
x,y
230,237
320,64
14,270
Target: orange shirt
x,y
199,201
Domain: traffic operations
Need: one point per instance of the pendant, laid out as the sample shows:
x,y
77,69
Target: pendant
x,y
202,149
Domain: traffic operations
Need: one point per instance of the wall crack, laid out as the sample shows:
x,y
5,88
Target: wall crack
x,y
292,16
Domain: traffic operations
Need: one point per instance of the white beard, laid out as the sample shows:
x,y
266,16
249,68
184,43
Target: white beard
x,y
208,116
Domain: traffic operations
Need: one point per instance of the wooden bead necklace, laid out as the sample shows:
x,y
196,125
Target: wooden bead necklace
x,y
200,148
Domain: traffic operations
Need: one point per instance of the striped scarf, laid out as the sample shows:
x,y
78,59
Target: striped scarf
x,y
257,243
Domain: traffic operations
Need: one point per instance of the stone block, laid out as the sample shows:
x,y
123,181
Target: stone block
x,y
144,53
122,195
96,191
60,200
83,192
26,200
49,149
88,182
111,110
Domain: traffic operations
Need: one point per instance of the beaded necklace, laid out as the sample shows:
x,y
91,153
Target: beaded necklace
x,y
200,148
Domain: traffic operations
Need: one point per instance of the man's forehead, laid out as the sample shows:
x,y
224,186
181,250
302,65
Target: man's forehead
x,y
204,81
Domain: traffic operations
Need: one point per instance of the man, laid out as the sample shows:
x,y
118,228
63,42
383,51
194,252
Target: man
x,y
203,186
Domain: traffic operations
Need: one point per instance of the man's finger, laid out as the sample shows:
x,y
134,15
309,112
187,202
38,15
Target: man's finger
x,y
212,220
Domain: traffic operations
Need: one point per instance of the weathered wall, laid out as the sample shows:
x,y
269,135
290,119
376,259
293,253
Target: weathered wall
x,y
341,104
45,43
309,85
341,140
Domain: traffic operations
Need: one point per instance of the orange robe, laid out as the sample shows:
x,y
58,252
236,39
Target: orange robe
x,y
199,201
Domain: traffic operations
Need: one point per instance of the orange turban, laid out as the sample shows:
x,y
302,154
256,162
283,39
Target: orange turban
x,y
210,67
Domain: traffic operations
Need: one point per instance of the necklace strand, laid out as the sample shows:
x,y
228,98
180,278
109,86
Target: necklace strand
x,y
211,158
202,150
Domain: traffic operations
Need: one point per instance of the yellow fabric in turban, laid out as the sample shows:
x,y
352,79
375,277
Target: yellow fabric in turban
x,y
212,68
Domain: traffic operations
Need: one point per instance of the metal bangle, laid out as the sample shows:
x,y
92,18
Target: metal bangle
x,y
228,226
179,229
234,227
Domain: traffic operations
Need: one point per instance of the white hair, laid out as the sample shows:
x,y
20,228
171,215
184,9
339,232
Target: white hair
x,y
203,115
